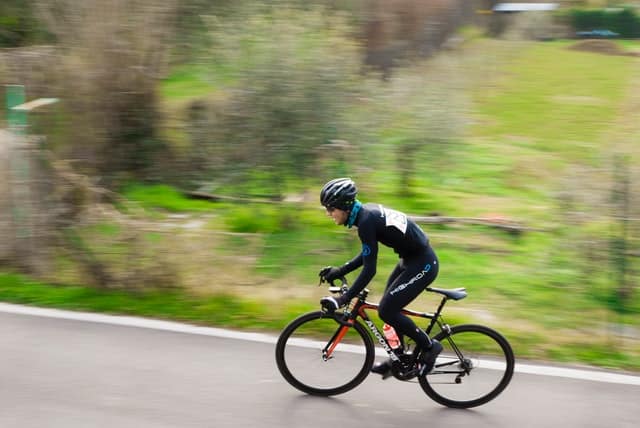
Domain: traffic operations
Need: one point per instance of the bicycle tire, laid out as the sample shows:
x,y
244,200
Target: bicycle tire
x,y
299,355
488,375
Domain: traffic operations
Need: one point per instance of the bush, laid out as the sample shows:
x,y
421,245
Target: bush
x,y
254,219
293,72
111,55
18,25
622,21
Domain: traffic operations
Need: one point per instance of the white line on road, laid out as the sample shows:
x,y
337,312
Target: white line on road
x,y
128,321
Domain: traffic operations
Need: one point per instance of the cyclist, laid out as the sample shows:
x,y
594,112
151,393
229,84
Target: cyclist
x,y
417,268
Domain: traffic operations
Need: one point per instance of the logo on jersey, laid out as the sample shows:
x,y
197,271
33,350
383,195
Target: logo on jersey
x,y
366,250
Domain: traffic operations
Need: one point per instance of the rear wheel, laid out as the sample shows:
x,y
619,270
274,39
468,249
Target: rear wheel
x,y
320,356
475,366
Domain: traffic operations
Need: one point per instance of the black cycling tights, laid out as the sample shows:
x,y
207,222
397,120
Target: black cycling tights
x,y
409,278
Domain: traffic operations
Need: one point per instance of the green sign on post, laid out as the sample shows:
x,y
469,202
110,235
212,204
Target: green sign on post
x,y
21,156
16,119
19,165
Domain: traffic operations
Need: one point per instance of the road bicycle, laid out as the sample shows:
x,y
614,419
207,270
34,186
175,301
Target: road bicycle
x,y
322,353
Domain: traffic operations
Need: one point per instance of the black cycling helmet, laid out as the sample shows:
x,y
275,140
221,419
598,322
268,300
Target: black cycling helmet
x,y
339,193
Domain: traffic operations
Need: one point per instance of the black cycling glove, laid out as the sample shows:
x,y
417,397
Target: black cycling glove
x,y
331,273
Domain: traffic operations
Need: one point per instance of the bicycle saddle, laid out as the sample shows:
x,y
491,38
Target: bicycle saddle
x,y
455,293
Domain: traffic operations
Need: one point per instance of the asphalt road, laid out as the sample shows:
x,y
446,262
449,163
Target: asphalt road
x,y
70,373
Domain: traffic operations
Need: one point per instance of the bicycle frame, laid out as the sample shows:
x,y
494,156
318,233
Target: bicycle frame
x,y
359,309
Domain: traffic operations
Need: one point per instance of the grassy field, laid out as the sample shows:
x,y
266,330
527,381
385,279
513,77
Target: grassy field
x,y
545,122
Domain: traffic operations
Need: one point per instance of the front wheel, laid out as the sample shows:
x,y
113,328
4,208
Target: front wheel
x,y
475,366
320,356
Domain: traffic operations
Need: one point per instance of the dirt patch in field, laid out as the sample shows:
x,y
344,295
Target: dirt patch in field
x,y
605,47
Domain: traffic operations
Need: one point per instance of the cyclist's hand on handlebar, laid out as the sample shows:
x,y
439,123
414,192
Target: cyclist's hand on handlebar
x,y
330,273
330,303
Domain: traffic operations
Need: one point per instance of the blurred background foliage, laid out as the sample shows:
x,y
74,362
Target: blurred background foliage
x,y
178,174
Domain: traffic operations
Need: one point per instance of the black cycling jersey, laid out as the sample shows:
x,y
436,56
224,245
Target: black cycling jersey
x,y
393,229
417,268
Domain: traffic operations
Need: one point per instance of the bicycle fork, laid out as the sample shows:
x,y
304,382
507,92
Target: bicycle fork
x,y
327,351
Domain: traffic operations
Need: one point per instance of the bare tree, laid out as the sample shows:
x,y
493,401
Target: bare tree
x,y
432,118
111,55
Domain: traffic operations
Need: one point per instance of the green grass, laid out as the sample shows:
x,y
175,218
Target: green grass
x,y
557,100
219,310
164,197
188,81
547,109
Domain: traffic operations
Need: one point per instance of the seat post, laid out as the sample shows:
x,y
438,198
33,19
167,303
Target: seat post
x,y
436,315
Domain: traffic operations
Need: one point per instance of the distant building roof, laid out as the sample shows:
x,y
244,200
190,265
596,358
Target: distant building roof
x,y
524,7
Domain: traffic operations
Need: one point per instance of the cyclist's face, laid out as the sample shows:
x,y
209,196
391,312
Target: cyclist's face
x,y
339,216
